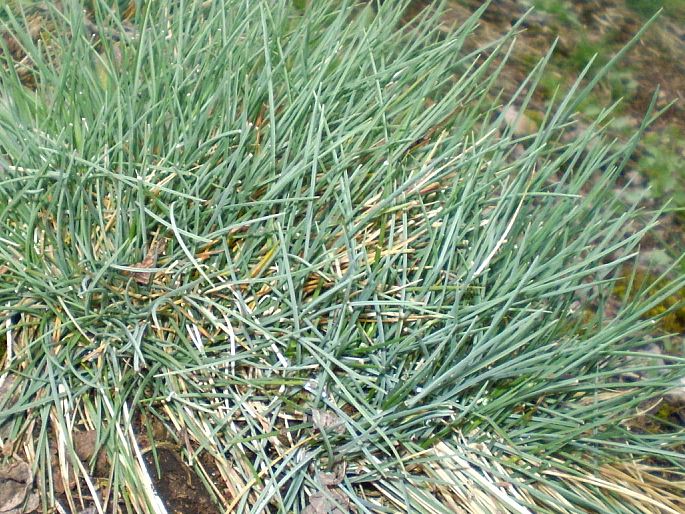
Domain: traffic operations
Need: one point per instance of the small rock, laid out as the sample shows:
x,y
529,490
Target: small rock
x,y
15,480
676,396
521,124
334,478
330,502
326,420
635,178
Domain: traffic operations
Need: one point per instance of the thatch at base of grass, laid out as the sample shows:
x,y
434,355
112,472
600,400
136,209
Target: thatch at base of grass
x,y
355,266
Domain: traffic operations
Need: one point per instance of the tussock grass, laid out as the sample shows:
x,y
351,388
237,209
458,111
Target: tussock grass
x,y
307,244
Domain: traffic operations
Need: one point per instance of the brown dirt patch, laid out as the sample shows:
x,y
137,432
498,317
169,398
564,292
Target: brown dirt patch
x,y
180,488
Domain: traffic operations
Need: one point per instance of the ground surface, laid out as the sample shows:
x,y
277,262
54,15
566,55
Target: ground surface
x,y
583,28
602,27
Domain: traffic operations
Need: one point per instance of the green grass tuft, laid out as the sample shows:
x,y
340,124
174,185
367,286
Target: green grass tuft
x,y
308,241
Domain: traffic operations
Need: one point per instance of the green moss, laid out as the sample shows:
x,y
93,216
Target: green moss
x,y
671,312
648,8
584,51
622,84
549,83
560,9
666,412
663,164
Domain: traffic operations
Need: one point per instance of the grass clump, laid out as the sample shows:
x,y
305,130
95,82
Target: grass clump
x,y
309,247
